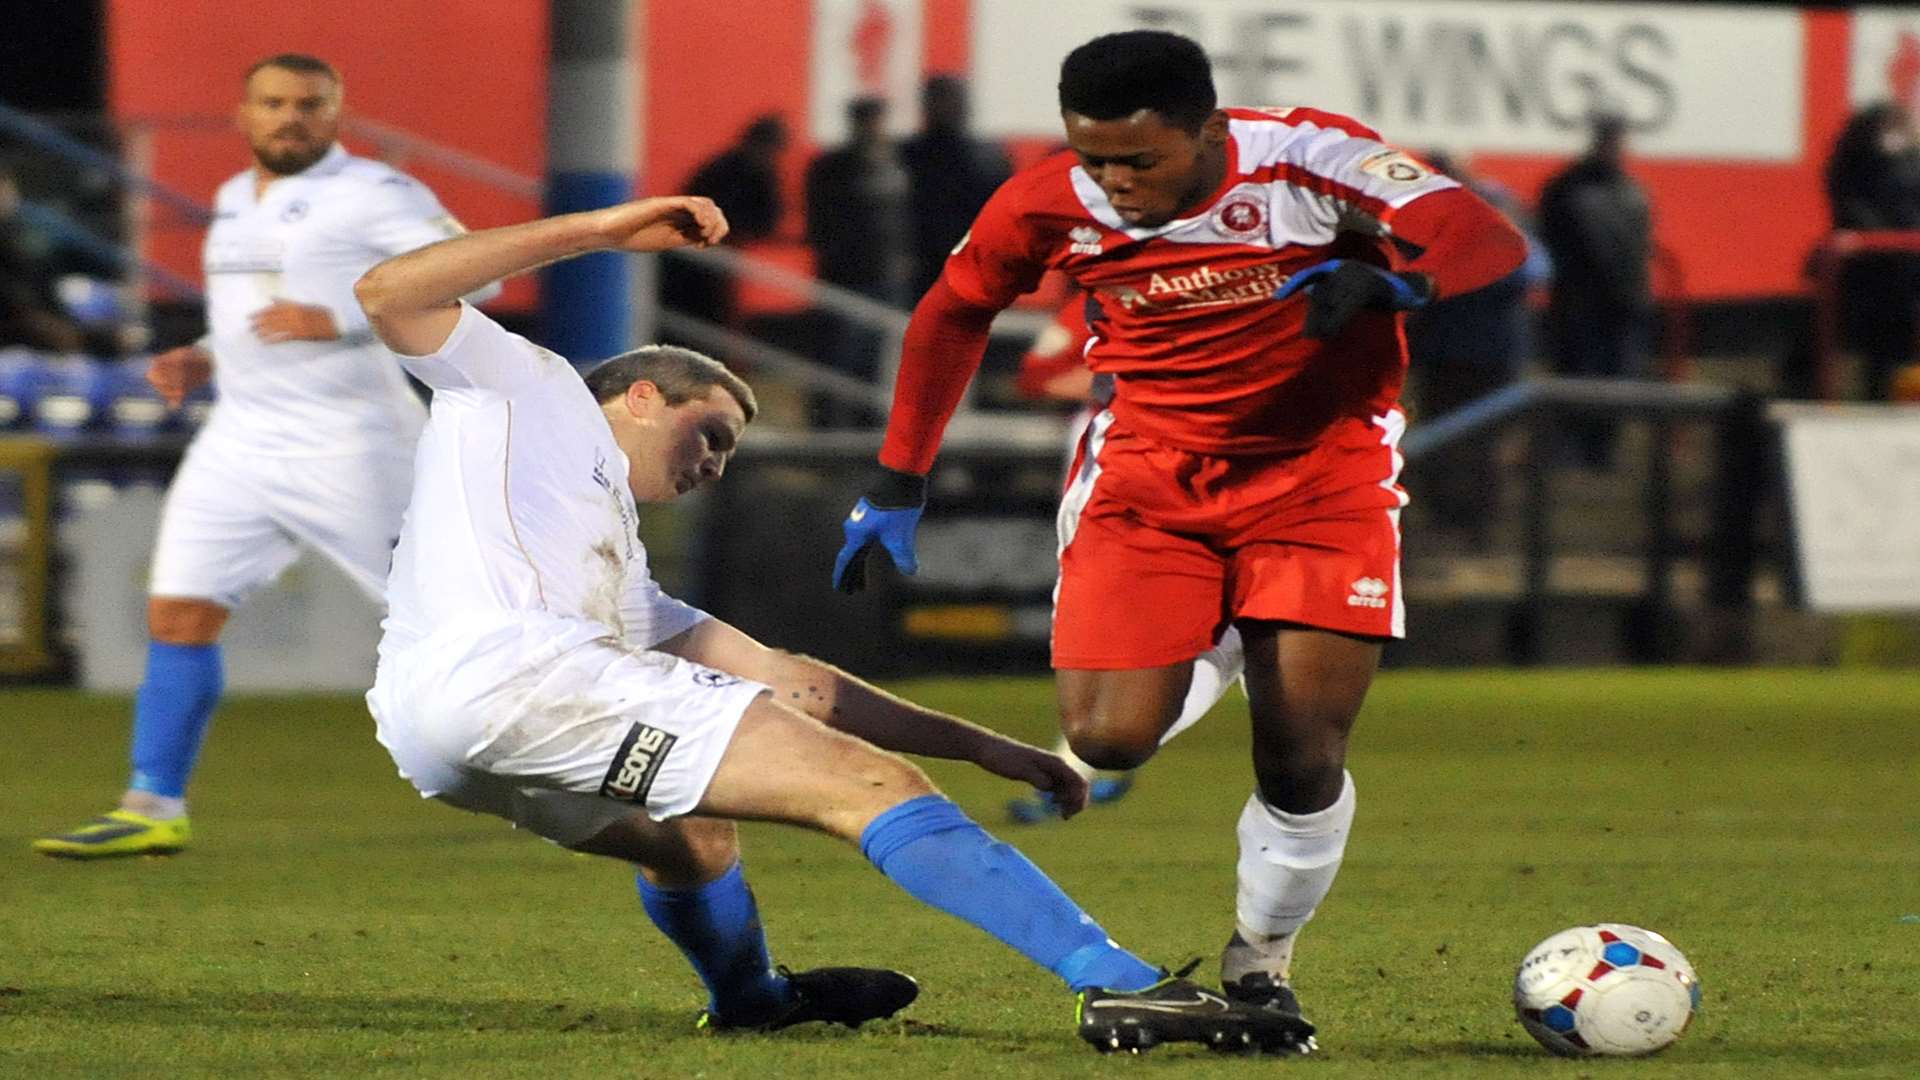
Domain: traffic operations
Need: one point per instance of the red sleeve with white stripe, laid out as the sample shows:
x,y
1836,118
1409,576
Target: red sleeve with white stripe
x,y
1378,190
1359,181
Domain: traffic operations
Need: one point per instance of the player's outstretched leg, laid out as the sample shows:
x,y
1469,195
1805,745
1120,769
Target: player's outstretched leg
x,y
784,766
171,709
935,852
1214,673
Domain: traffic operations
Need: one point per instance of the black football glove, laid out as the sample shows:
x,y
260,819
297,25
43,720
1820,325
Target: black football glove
x,y
1338,288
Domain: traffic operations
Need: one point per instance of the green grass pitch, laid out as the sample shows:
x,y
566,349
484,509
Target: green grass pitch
x,y
329,923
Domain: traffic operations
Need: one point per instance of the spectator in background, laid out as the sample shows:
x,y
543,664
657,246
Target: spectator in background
x,y
744,181
857,228
1462,348
1873,182
1597,228
950,175
30,309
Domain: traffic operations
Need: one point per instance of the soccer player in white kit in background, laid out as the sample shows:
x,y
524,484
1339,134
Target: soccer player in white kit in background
x,y
531,669
310,443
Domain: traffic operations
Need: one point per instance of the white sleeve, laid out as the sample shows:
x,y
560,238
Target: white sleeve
x,y
395,215
650,616
1363,181
398,214
480,355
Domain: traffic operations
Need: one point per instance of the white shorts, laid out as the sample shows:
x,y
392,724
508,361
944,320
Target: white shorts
x,y
566,746
233,521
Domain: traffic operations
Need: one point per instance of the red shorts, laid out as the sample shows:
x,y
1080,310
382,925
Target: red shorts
x,y
1160,548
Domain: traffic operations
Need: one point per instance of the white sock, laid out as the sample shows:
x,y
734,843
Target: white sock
x,y
157,807
1287,865
1086,771
1214,673
1245,956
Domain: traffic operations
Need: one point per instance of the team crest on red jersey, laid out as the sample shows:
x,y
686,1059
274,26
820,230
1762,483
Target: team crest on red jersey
x,y
1240,216
1395,165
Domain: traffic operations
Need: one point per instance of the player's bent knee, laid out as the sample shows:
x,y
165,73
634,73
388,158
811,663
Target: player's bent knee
x,y
1110,746
886,780
685,852
180,620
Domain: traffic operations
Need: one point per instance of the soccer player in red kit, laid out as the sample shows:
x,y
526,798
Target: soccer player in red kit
x,y
1250,268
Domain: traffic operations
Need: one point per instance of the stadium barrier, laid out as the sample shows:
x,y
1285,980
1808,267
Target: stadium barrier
x,y
1689,534
763,540
1742,460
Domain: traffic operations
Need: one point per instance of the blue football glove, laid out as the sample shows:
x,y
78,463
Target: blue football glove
x,y
885,518
1338,288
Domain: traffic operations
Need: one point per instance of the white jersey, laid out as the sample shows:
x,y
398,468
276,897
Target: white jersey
x,y
521,511
307,239
518,674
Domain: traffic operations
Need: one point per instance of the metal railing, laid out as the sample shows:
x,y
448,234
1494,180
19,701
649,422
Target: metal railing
x,y
1731,552
399,146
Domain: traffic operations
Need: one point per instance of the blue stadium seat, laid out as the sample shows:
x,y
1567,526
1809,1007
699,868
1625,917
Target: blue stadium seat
x,y
134,408
19,387
74,395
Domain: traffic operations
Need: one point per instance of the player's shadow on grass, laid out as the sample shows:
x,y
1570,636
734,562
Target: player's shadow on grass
x,y
396,1014
203,1009
1702,1051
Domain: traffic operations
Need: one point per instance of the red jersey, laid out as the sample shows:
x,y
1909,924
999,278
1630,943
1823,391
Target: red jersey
x,y
1203,358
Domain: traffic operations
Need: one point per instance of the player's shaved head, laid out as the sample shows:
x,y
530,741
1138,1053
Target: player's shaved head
x,y
290,111
1117,75
298,63
681,375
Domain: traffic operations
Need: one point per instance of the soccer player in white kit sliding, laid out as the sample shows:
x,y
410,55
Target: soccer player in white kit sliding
x,y
531,669
311,439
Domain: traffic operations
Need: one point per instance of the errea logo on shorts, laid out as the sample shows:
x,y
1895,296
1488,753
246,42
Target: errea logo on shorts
x,y
636,764
1368,592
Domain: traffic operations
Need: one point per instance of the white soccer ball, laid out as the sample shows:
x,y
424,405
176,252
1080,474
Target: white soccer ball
x,y
1605,989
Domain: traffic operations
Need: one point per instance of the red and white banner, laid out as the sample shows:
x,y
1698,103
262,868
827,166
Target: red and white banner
x,y
864,48
1884,61
1694,82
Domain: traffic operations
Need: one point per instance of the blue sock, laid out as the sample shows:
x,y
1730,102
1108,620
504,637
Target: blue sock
x,y
717,926
935,852
170,714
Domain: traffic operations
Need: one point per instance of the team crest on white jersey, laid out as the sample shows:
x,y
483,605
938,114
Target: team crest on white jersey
x,y
1086,240
295,210
1240,216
